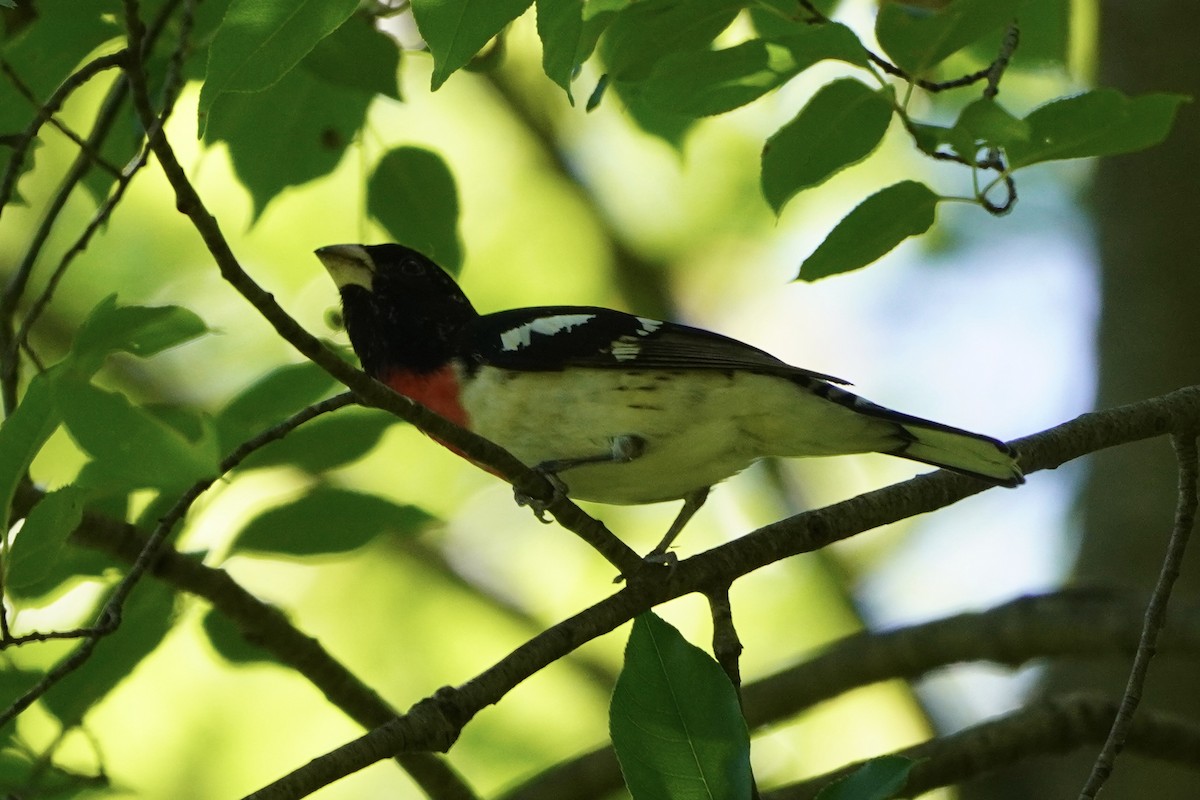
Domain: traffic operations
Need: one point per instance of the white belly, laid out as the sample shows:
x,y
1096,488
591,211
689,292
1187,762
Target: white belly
x,y
697,431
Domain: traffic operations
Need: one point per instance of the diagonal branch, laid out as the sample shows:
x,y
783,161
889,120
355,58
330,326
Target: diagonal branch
x,y
369,391
434,723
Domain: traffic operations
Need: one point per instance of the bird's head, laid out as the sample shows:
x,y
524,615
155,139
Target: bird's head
x,y
402,311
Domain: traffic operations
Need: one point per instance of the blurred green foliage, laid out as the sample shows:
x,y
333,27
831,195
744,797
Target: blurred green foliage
x,y
405,563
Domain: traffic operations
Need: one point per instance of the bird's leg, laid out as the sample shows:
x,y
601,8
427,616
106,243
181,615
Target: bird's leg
x,y
624,448
691,504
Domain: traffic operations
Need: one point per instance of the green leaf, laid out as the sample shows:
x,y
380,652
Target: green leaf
x,y
456,30
649,117
36,549
73,564
918,39
877,225
1045,33
326,521
142,331
270,400
560,27
23,434
358,56
675,721
988,123
773,18
704,82
147,616
1102,122
289,134
260,41
109,328
842,123
646,32
229,641
327,442
412,195
15,682
45,52
129,447
878,779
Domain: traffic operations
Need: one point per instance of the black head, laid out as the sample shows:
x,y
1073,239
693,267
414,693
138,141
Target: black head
x,y
402,311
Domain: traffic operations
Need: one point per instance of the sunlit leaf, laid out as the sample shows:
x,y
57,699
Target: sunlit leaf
x,y
842,123
918,39
23,434
270,400
1102,122
875,227
412,195
456,30
676,724
260,41
325,521
139,330
36,549
130,448
327,442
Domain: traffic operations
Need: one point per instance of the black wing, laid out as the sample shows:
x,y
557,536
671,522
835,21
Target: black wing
x,y
555,337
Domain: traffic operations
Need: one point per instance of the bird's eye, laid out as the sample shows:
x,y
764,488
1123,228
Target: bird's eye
x,y
411,268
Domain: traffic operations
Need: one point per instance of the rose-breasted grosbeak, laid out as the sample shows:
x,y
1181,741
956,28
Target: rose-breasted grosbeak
x,y
626,409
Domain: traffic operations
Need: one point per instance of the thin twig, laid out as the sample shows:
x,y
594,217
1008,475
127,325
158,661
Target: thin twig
x,y
79,142
1156,613
45,112
171,87
109,617
727,648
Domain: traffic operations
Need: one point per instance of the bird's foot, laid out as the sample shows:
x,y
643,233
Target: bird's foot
x,y
539,507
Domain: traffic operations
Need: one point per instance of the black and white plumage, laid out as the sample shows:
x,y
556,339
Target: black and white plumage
x,y
625,409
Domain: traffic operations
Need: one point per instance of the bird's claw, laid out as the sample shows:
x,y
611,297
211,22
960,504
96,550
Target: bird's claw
x,y
539,507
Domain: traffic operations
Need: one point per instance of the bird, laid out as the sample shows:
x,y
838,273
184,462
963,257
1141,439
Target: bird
x,y
617,408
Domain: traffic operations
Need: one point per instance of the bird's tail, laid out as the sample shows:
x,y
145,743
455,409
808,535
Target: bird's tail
x,y
937,444
958,450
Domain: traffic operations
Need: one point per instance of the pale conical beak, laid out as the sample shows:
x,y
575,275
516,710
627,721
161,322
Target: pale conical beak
x,y
348,264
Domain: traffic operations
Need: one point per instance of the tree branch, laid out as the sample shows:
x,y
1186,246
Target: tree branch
x,y
1071,624
1156,614
1059,725
435,723
369,391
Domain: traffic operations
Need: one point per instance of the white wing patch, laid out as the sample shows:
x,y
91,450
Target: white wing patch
x,y
522,335
626,348
648,326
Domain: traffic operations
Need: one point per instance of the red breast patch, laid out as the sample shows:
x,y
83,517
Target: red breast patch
x,y
437,391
